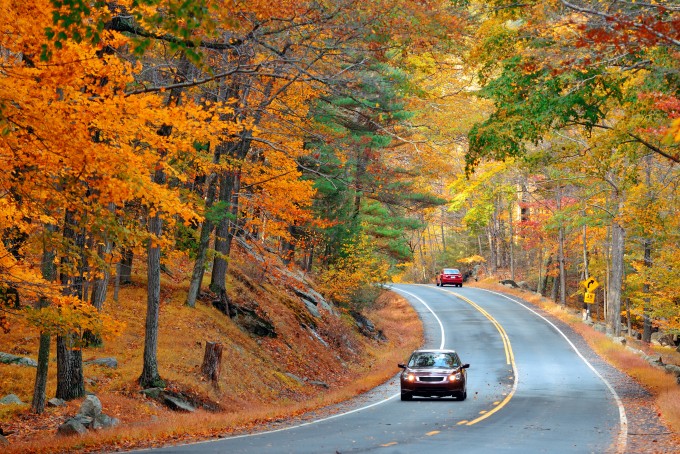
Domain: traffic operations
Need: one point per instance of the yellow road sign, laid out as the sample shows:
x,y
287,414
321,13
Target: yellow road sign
x,y
591,284
589,298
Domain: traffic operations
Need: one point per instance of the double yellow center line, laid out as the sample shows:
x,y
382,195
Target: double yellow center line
x,y
509,358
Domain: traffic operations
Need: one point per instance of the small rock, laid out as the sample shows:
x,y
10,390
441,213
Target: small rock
x,y
91,407
655,360
177,404
619,340
294,377
56,402
673,369
152,393
319,383
11,399
104,421
82,419
72,427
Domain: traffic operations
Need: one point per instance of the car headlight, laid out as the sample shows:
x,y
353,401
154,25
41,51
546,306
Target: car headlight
x,y
410,377
455,377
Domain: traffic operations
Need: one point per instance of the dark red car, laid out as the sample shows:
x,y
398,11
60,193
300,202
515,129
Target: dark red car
x,y
450,276
430,373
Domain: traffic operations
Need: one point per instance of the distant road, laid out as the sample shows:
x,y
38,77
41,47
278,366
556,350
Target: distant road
x,y
529,391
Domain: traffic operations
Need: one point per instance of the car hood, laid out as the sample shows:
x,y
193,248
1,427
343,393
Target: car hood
x,y
431,370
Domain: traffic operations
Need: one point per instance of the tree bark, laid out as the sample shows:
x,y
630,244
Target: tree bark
x,y
126,266
616,281
212,362
203,242
560,254
49,273
70,380
150,377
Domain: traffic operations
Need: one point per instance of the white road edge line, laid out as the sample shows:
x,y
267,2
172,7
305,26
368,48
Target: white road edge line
x,y
356,410
623,432
441,326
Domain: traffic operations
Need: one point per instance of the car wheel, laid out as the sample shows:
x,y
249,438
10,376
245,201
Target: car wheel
x,y
437,284
406,396
460,285
462,395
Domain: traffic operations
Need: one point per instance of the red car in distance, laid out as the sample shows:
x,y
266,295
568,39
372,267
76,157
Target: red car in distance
x,y
450,276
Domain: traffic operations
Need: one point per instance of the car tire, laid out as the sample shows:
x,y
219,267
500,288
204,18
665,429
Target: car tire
x,y
406,396
437,284
462,396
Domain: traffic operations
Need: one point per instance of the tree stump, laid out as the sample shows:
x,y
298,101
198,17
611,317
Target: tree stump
x,y
212,361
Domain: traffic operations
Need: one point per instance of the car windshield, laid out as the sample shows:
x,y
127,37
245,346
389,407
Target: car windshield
x,y
451,271
433,359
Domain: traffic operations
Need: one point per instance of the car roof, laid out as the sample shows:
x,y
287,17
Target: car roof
x,y
433,350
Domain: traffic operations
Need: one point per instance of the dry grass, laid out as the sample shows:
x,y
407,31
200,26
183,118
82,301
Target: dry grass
x,y
253,388
662,385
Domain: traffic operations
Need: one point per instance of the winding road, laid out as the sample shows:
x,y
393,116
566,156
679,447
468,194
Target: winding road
x,y
529,390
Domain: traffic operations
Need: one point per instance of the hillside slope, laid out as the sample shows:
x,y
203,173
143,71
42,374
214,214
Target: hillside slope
x,y
285,350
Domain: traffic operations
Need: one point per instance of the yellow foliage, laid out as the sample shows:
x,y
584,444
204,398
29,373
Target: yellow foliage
x,y
358,267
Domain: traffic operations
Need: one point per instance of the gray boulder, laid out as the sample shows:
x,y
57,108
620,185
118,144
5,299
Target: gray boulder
x,y
7,358
72,427
177,404
91,407
104,421
106,362
56,402
11,399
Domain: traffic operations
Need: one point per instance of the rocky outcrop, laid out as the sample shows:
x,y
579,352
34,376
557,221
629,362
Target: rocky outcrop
x,y
7,358
367,328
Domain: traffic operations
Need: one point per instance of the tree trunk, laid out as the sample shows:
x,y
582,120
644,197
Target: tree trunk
x,y
40,386
203,242
647,244
616,281
126,266
150,378
49,273
647,320
70,380
560,253
222,243
212,362
544,283
512,242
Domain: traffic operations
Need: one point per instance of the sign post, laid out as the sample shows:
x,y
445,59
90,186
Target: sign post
x,y
590,285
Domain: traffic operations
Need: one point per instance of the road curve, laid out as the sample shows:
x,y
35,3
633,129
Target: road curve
x,y
529,391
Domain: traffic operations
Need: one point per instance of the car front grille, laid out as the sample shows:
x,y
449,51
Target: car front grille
x,y
430,379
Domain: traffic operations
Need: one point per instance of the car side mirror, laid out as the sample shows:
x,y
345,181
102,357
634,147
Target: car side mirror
x,y
464,366
401,366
